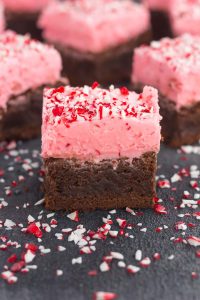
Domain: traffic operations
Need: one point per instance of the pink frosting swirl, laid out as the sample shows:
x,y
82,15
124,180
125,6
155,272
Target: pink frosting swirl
x,y
94,124
93,26
25,64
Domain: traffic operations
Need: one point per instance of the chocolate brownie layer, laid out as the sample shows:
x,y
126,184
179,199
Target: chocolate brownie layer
x,y
179,127
71,185
23,23
108,67
22,118
160,24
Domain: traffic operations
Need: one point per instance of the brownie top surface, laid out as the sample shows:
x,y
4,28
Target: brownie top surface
x,y
25,64
91,123
94,25
75,104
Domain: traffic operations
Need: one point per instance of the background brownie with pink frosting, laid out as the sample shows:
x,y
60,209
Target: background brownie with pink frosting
x,y
100,147
96,38
174,69
22,15
26,67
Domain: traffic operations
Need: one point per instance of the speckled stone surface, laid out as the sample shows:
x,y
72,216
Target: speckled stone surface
x,y
167,279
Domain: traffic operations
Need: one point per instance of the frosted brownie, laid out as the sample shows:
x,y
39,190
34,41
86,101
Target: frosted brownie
x,y
22,15
173,67
96,38
26,67
100,147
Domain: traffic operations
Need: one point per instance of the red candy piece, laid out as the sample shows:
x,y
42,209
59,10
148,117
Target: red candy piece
x,y
35,230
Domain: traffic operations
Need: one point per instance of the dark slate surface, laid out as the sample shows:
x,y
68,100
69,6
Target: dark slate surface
x,y
163,279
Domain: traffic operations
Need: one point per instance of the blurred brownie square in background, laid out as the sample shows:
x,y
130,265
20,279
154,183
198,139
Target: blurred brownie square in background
x,y
173,67
100,147
96,38
26,67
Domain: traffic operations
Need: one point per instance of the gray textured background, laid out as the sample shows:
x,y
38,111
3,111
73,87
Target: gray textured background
x,y
164,279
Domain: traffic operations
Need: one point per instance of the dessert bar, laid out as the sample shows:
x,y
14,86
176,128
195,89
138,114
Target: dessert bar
x,y
96,38
185,17
173,67
26,67
100,147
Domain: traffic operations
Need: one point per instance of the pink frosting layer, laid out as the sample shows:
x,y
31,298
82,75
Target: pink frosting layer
x,y
172,66
2,21
163,5
25,5
93,26
25,64
185,17
94,124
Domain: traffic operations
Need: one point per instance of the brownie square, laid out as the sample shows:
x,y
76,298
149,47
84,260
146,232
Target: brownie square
x,y
100,148
109,67
173,68
96,38
27,66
